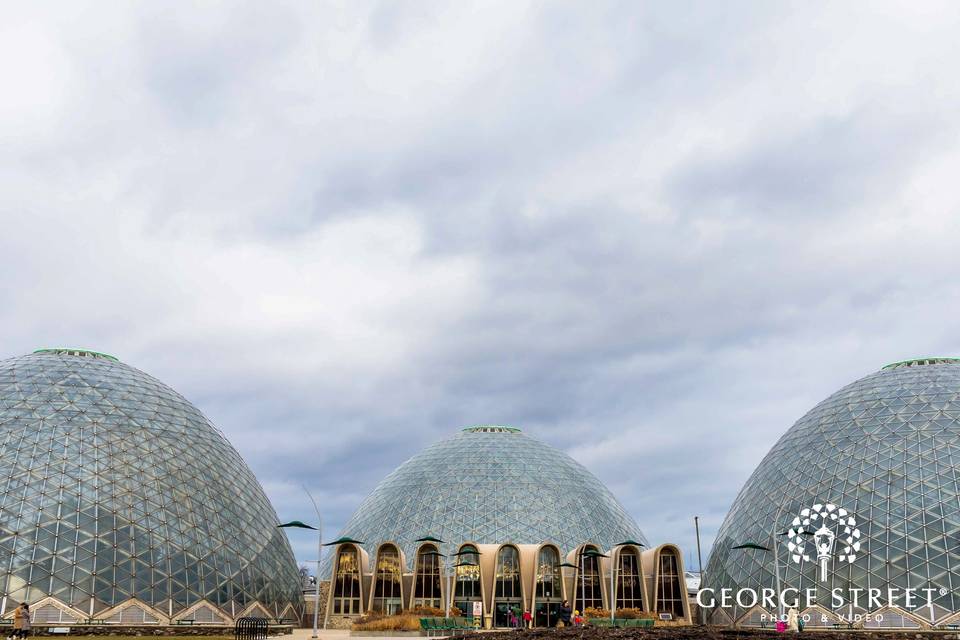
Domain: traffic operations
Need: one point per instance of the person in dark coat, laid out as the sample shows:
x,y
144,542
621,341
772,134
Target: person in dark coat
x,y
565,612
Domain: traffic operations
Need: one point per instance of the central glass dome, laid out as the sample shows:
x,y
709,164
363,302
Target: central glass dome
x,y
490,485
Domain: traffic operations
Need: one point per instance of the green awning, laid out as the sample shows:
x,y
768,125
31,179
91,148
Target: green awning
x,y
296,524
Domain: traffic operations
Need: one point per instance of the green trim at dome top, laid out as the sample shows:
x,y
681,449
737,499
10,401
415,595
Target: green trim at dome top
x,y
64,351
916,362
491,429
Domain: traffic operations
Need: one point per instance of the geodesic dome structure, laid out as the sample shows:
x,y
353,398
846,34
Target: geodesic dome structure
x,y
876,464
120,501
491,484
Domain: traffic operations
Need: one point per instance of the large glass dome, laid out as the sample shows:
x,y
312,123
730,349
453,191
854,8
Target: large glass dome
x,y
115,488
879,458
491,485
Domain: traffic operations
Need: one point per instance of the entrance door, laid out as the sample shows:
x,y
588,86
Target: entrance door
x,y
546,614
502,614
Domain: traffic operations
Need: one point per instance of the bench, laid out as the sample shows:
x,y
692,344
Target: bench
x,y
186,621
445,626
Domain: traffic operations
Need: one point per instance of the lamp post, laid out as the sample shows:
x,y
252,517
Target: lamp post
x,y
776,564
563,584
296,524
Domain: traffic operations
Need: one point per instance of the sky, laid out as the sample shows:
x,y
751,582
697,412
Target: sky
x,y
652,235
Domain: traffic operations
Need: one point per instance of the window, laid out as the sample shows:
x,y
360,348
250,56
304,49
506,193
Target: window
x,y
346,588
466,589
386,587
588,587
548,574
670,589
629,586
507,592
426,590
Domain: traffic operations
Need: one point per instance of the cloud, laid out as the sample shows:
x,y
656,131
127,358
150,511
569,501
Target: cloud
x,y
653,236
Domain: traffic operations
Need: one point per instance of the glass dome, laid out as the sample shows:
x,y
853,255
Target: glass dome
x,y
490,485
883,453
116,488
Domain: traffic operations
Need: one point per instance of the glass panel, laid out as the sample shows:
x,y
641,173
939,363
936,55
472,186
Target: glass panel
x,y
426,590
386,588
671,591
346,583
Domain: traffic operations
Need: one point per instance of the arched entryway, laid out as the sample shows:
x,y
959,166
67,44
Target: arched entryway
x,y
346,582
467,586
548,588
426,584
629,580
508,590
387,583
588,586
671,591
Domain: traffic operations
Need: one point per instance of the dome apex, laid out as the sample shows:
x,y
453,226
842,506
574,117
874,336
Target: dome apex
x,y
66,351
916,362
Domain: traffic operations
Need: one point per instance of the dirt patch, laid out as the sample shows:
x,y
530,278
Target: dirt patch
x,y
707,633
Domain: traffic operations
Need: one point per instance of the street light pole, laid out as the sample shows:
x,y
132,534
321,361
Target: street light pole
x,y
613,595
316,589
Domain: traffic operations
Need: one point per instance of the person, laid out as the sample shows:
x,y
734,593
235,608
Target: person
x,y
527,619
21,621
577,620
792,620
565,612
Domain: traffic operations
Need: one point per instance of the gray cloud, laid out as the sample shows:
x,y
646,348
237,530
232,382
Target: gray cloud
x,y
653,236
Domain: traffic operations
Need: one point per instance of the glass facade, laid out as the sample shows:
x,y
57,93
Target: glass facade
x,y
467,588
114,487
628,577
387,581
426,587
507,592
548,591
886,449
589,590
346,582
671,592
490,485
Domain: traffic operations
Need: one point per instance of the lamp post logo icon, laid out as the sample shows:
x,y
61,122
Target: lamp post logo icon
x,y
828,525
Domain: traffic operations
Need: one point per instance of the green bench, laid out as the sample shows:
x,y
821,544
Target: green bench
x,y
621,623
445,626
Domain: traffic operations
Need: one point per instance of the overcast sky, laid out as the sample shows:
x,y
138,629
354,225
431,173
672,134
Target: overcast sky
x,y
652,235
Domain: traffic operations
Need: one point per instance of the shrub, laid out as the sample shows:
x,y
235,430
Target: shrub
x,y
434,612
370,616
399,622
595,612
403,621
632,614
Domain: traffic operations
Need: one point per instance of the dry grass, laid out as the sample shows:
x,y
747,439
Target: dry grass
x,y
402,622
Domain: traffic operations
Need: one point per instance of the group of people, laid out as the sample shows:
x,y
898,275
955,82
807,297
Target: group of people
x,y
570,616
514,618
21,622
